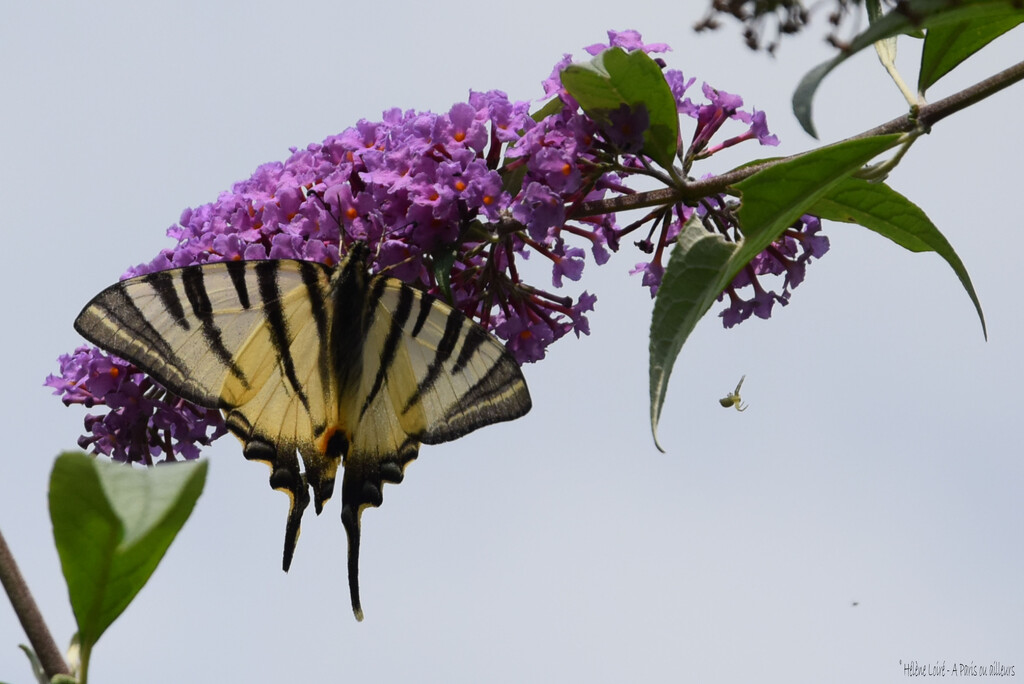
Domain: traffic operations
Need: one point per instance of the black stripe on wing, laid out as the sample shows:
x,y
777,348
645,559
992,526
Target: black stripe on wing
x,y
113,311
453,327
474,338
162,283
116,322
499,395
199,300
237,271
426,304
273,313
406,296
502,384
311,274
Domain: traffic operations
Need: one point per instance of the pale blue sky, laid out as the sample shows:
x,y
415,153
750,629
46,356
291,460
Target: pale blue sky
x,y
877,463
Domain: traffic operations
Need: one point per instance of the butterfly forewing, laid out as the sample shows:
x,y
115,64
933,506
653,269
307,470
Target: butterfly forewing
x,y
186,327
448,376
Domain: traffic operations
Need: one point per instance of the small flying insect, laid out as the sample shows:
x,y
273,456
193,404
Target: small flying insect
x,y
733,398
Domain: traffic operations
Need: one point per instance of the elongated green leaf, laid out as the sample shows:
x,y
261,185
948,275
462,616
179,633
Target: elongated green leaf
x,y
910,16
776,197
702,265
947,46
112,524
880,208
684,296
616,79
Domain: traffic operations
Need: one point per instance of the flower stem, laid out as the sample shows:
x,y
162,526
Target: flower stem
x,y
28,613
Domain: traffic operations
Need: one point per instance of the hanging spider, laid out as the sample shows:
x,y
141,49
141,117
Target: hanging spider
x,y
733,398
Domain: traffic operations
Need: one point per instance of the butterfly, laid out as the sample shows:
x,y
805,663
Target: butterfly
x,y
332,364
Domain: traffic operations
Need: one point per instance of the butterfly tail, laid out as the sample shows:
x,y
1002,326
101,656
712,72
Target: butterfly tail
x,y
350,519
286,477
292,483
362,486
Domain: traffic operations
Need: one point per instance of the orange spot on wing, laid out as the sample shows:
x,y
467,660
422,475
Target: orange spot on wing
x,y
334,442
325,439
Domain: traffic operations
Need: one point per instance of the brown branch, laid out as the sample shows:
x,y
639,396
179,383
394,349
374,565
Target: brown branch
x,y
926,116
28,613
933,113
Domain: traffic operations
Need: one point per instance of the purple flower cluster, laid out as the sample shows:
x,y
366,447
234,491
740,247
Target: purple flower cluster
x,y
144,420
477,188
788,257
415,186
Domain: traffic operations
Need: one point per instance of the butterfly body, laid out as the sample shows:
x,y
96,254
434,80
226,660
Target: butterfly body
x,y
338,366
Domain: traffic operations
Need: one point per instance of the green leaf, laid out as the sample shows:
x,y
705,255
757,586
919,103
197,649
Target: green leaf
x,y
947,46
776,197
512,181
906,18
684,296
616,78
552,107
880,208
703,264
112,524
443,262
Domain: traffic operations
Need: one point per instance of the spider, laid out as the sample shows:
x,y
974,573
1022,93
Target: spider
x,y
733,398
